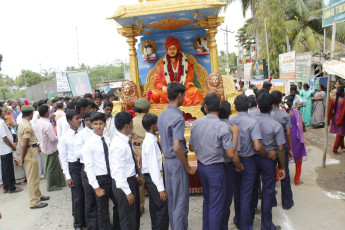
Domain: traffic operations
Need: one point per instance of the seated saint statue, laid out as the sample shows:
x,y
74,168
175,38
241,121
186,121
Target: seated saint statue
x,y
175,68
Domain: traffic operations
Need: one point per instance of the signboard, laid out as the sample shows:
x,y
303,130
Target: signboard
x,y
79,83
247,73
332,10
260,69
277,84
114,85
287,66
303,67
104,89
62,84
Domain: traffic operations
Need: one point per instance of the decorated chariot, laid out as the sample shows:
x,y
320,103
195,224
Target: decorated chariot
x,y
177,44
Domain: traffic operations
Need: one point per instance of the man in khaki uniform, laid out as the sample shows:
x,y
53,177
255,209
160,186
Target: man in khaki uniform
x,y
28,154
141,106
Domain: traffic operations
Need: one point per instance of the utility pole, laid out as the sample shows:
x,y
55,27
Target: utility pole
x,y
268,53
226,42
288,44
76,34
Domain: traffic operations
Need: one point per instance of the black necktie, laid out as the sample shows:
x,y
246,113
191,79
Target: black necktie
x,y
106,154
135,162
160,148
76,132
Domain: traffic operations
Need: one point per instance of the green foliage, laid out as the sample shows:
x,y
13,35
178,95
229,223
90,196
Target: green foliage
x,y
29,78
222,62
0,61
245,35
10,96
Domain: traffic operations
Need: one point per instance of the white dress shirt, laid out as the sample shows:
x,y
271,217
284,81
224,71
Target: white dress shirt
x,y
62,126
94,158
66,151
110,130
121,161
80,140
5,132
152,160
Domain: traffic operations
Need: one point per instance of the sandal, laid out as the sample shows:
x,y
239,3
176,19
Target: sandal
x,y
16,190
299,183
54,189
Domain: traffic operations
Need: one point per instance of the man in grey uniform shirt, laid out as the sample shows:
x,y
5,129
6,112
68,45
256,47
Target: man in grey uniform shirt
x,y
209,138
171,127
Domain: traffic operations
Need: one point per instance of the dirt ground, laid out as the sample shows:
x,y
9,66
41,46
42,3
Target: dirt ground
x,y
319,202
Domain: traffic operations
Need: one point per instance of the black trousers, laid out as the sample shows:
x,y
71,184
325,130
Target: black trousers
x,y
105,182
7,171
129,214
78,199
90,203
158,208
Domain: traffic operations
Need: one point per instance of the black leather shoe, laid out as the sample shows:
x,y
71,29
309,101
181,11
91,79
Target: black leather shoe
x,y
287,208
43,198
41,205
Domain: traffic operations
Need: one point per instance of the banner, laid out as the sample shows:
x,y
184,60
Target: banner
x,y
62,84
287,63
332,10
303,67
79,83
260,69
247,73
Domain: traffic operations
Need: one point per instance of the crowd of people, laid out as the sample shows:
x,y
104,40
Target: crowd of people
x,y
78,142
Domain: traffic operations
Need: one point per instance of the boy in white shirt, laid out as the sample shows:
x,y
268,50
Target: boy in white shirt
x,y
125,172
96,159
152,166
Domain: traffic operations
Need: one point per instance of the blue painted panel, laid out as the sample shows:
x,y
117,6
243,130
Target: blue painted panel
x,y
186,39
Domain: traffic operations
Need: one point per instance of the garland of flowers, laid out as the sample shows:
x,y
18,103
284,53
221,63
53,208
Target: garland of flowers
x,y
182,69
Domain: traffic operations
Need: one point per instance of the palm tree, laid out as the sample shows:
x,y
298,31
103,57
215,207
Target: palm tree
x,y
303,26
246,4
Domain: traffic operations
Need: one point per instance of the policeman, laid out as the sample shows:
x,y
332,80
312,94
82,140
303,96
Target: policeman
x,y
141,106
28,154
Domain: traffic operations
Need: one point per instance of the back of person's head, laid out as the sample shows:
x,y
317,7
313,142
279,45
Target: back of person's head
x,y
149,119
95,106
70,114
225,110
242,103
213,102
82,103
251,86
277,97
55,100
122,119
241,83
43,110
98,95
108,104
202,108
87,114
41,102
97,116
174,89
259,92
67,98
288,102
104,96
59,105
71,105
293,87
252,101
87,95
265,101
35,105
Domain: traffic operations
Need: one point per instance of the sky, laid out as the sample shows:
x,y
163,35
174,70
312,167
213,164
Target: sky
x,y
42,34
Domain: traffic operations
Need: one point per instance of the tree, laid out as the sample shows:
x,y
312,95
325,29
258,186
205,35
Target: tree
x,y
0,61
29,78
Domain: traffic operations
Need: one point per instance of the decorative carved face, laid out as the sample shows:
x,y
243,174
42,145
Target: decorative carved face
x,y
129,93
214,80
127,89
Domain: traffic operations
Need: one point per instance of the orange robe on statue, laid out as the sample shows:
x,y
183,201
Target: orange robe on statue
x,y
192,94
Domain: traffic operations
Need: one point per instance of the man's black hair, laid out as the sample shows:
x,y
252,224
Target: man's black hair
x,y
265,101
149,120
252,101
82,103
277,97
87,95
202,108
95,106
67,98
26,114
235,80
105,96
97,116
225,110
1,109
70,105
55,100
259,92
300,83
242,103
98,95
41,102
87,114
137,110
293,87
108,104
43,109
59,105
70,114
122,119
35,105
213,102
306,85
241,83
174,89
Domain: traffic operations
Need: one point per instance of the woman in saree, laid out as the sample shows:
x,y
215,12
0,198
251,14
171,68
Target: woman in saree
x,y
336,114
297,136
307,110
319,102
